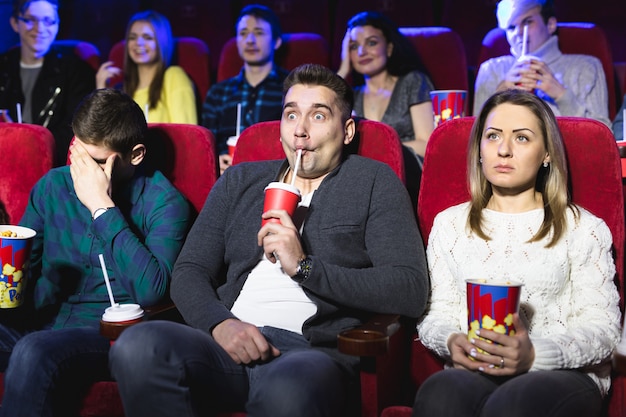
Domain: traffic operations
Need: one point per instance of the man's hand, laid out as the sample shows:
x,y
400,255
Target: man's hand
x,y
92,182
513,78
541,77
243,342
281,241
530,75
225,162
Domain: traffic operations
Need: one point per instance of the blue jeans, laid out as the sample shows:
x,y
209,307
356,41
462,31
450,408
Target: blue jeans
x,y
461,393
169,369
49,371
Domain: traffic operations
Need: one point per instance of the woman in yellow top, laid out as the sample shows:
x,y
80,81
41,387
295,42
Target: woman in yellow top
x,y
164,91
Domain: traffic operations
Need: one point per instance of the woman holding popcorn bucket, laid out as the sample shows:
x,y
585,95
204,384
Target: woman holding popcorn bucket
x,y
519,226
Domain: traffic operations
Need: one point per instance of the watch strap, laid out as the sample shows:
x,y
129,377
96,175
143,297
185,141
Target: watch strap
x,y
303,270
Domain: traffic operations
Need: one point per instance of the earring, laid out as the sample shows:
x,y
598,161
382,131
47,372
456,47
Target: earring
x,y
480,160
545,165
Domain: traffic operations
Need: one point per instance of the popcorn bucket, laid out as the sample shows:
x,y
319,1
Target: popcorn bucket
x,y
490,305
15,246
448,104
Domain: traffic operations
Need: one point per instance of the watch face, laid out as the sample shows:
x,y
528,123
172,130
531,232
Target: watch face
x,y
303,270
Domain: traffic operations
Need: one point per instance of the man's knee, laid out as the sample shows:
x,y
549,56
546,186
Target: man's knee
x,y
134,346
33,348
307,383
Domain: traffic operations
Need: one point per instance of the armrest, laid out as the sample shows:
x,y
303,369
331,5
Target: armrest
x,y
370,339
163,311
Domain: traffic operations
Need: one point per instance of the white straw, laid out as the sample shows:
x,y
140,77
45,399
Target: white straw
x,y
106,280
238,127
525,41
145,111
295,168
18,108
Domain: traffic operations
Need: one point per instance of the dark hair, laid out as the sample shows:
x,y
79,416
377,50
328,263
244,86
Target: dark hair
x,y
20,6
551,181
404,57
314,74
110,118
262,12
165,51
548,10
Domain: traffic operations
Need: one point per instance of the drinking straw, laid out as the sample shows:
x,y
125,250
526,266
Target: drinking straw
x,y
106,280
18,108
145,111
295,168
238,127
525,40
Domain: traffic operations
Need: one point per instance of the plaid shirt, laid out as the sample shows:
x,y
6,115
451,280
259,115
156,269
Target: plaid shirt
x,y
140,240
258,104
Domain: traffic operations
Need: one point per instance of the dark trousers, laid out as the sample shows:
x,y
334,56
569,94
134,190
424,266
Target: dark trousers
x,y
169,369
460,393
49,371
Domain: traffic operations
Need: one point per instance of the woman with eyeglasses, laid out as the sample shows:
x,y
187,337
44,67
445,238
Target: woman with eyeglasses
x,y
40,83
164,91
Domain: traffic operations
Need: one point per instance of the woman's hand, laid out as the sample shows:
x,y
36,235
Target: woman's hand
x,y
507,355
502,355
106,72
345,67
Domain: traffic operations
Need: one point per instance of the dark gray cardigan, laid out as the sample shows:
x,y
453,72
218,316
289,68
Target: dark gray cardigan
x,y
360,232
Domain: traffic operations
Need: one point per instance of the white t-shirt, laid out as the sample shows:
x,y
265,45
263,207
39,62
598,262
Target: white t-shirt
x,y
270,297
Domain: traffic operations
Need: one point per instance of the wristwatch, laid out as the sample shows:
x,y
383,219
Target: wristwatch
x,y
99,211
303,270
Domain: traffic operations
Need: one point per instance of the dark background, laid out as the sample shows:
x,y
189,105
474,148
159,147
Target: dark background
x,y
103,22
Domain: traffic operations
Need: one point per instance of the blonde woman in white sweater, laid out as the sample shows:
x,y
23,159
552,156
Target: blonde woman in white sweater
x,y
520,225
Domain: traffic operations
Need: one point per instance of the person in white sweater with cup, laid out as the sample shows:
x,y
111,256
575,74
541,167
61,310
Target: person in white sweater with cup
x,y
572,84
520,225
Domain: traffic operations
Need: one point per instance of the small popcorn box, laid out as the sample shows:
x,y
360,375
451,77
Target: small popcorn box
x,y
448,104
15,246
490,305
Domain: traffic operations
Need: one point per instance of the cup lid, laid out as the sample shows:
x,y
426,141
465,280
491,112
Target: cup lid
x,y
283,186
122,312
437,92
495,283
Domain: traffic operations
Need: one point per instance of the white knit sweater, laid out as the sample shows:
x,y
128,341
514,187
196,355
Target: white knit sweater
x,y
569,300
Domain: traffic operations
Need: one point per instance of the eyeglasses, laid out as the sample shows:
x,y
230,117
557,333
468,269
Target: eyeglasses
x,y
29,22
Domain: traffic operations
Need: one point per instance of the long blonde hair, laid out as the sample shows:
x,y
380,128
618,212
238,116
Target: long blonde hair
x,y
551,181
